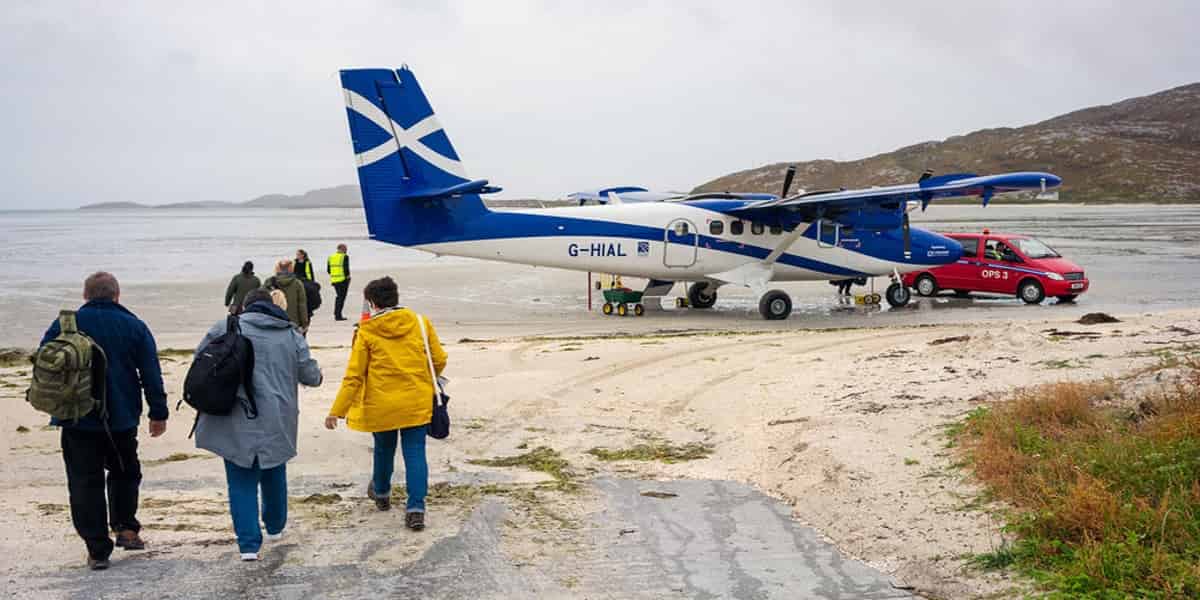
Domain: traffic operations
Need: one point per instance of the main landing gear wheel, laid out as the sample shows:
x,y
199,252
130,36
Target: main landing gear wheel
x,y
1031,292
607,308
775,305
700,296
926,285
897,295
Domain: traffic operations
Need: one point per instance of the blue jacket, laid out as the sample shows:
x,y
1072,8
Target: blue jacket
x,y
132,365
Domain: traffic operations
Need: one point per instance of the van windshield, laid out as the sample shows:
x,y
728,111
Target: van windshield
x,y
1034,248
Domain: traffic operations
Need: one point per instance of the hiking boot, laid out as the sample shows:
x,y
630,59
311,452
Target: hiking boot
x,y
381,502
129,540
98,564
414,521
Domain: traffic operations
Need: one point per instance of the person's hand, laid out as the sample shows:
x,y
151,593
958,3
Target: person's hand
x,y
157,428
331,422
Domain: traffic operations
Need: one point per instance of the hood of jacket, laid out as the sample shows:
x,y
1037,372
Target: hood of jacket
x,y
266,316
284,279
392,324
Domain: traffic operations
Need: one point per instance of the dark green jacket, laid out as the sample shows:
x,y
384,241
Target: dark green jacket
x,y
239,286
297,299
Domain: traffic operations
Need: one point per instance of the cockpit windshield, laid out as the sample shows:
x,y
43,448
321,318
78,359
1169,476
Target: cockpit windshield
x,y
1034,248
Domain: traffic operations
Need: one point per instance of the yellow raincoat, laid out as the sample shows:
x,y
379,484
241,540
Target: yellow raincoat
x,y
387,384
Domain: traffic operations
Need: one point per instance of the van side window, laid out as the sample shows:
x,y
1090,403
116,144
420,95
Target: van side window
x,y
736,228
716,227
756,228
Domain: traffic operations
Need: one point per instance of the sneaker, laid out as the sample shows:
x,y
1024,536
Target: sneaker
x,y
249,556
274,537
414,521
129,540
98,564
383,503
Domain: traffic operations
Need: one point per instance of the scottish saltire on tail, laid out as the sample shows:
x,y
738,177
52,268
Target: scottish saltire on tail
x,y
417,193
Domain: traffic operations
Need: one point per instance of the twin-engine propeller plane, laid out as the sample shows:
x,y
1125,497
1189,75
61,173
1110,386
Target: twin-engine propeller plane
x,y
417,194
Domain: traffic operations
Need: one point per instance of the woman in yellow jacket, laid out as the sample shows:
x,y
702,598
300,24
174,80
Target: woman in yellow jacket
x,y
388,392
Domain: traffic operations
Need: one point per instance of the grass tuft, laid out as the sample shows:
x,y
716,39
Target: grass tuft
x,y
656,450
1101,506
542,459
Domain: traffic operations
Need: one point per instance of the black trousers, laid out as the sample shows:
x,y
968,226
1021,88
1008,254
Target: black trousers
x,y
87,455
341,288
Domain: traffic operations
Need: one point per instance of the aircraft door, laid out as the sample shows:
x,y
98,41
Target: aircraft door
x,y
680,244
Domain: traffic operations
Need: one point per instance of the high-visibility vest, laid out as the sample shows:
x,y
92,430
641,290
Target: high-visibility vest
x,y
337,268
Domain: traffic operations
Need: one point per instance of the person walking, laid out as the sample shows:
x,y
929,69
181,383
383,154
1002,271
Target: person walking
x,y
297,300
338,267
256,451
239,286
302,268
388,392
105,440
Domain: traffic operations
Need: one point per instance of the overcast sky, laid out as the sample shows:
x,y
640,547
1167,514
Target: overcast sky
x,y
176,101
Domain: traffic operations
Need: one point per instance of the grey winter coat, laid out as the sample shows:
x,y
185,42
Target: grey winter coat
x,y
281,361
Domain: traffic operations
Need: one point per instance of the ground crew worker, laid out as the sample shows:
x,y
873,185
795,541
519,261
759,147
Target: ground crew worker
x,y
302,266
338,267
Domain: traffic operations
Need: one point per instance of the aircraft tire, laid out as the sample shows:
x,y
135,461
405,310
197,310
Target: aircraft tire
x,y
1031,292
897,295
607,308
696,297
775,305
926,285
638,309
622,310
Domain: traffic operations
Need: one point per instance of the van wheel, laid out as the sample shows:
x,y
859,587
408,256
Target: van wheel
x,y
897,295
1031,292
926,285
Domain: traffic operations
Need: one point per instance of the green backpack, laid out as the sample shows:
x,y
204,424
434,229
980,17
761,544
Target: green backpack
x,y
64,371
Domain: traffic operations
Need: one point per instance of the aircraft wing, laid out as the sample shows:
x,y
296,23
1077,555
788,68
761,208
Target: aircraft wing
x,y
958,185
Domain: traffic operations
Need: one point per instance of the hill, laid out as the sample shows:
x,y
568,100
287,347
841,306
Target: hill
x,y
1143,149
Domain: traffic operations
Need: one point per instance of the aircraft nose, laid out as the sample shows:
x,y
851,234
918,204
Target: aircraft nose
x,y
1053,180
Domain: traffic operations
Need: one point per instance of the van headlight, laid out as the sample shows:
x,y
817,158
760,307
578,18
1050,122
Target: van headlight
x,y
1054,276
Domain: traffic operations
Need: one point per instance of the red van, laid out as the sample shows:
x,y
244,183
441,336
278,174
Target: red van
x,y
1000,263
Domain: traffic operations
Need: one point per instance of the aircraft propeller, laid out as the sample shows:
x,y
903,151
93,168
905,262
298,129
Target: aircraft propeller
x,y
787,180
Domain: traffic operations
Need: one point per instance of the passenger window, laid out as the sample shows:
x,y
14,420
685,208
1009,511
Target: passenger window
x,y
970,247
716,227
736,228
776,230
756,228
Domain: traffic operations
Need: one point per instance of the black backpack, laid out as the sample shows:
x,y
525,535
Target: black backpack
x,y
312,292
219,368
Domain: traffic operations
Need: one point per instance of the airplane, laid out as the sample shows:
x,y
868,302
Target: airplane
x,y
417,194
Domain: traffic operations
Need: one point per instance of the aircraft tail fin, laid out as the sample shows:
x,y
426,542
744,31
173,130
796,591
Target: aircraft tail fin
x,y
414,187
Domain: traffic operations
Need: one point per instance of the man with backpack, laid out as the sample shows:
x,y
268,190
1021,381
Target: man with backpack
x,y
90,373
250,414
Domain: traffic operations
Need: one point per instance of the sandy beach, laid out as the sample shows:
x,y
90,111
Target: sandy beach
x,y
845,425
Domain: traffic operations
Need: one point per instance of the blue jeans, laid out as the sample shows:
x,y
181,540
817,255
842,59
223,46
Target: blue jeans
x,y
416,469
243,502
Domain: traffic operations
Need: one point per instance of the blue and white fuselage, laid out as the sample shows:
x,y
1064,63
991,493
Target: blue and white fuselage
x,y
416,194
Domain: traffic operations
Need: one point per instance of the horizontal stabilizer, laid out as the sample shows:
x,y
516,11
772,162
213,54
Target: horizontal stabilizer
x,y
479,186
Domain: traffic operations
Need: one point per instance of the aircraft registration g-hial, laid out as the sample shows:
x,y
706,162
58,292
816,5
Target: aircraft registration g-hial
x,y
416,193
